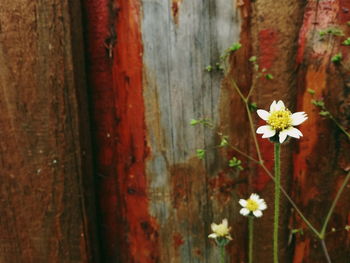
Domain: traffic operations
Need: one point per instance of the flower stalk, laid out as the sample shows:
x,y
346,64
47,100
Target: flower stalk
x,y
250,239
222,254
277,148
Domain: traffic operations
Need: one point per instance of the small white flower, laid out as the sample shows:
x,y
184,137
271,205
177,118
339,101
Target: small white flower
x,y
221,230
280,121
253,205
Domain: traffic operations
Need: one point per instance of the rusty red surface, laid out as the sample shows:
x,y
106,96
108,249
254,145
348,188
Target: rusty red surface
x,y
97,14
267,44
129,233
175,10
132,150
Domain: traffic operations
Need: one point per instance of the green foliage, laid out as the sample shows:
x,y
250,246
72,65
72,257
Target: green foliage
x,y
311,91
224,141
346,42
200,154
331,31
205,122
235,47
235,163
269,76
337,58
209,68
252,106
318,103
298,230
324,113
253,59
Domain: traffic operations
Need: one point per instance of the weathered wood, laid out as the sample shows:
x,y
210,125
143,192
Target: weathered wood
x,y
45,159
322,157
148,80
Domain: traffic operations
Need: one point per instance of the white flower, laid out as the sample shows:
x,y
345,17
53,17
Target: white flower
x,y
280,121
221,230
253,205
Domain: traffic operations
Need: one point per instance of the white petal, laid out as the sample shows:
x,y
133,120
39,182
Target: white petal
x,y
294,132
244,211
214,227
225,223
243,202
283,135
279,106
257,213
262,206
266,130
273,106
298,118
263,114
213,235
254,197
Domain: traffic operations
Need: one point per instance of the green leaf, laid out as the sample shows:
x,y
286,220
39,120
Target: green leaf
x,y
318,103
337,58
299,230
346,42
324,113
224,141
252,107
209,68
200,153
235,163
195,122
269,76
253,59
311,91
235,47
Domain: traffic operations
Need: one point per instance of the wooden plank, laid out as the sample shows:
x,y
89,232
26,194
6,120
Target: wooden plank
x,y
147,61
321,158
45,155
181,38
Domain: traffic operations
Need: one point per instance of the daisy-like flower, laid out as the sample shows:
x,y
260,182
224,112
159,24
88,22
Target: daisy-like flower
x,y
221,230
280,122
252,205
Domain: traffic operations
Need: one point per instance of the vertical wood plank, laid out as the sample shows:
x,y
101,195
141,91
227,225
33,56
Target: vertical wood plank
x,y
319,159
45,157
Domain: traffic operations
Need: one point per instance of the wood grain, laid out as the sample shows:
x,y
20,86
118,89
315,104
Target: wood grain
x,y
147,61
45,159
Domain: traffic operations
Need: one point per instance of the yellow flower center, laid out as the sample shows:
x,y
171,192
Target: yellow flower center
x,y
222,230
280,119
252,205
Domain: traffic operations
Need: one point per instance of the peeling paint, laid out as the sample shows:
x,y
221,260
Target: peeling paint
x,y
175,10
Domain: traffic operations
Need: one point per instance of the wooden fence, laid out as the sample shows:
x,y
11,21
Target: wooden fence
x,y
97,154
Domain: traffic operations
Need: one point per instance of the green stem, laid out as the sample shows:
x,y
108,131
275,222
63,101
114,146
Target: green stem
x,y
251,236
222,254
307,222
335,201
340,126
252,129
277,200
325,250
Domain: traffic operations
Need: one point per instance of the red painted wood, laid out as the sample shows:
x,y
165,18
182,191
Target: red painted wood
x,y
128,232
132,150
100,42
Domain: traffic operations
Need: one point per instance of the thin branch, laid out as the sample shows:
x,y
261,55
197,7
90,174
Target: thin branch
x,y
334,203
